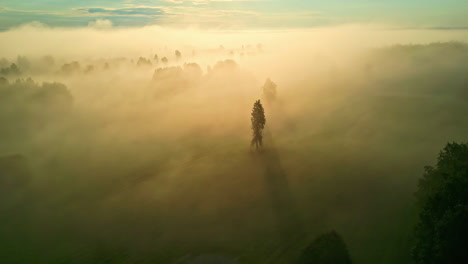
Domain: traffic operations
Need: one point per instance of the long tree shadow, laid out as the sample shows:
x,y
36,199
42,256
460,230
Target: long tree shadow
x,y
289,221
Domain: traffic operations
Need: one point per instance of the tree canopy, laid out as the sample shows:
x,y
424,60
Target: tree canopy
x,y
442,195
258,124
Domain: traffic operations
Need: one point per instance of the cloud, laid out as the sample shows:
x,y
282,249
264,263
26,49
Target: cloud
x,y
202,2
174,15
127,11
100,24
35,25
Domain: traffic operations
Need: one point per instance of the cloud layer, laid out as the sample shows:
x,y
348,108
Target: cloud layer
x,y
237,14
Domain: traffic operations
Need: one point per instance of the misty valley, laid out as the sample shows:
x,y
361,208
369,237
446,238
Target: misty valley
x,y
234,153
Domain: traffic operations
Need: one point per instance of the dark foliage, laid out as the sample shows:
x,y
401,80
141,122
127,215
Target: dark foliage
x,y
70,68
12,70
443,220
258,124
143,62
26,105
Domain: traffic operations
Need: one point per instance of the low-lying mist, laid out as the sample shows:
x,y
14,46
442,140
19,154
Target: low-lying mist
x,y
133,145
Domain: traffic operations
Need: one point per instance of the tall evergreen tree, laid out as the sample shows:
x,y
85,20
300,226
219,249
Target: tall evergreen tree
x,y
258,124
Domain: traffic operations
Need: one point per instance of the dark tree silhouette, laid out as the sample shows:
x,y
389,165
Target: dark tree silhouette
x,y
12,70
143,62
178,54
328,248
70,68
258,124
442,230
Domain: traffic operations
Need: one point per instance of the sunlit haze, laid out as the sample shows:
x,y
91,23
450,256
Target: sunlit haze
x,y
233,131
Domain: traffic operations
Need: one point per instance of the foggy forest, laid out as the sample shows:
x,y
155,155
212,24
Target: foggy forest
x,y
338,144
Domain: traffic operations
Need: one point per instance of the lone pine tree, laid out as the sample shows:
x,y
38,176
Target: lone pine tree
x,y
258,124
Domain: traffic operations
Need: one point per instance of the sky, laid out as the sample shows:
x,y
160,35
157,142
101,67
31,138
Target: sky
x,y
238,14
